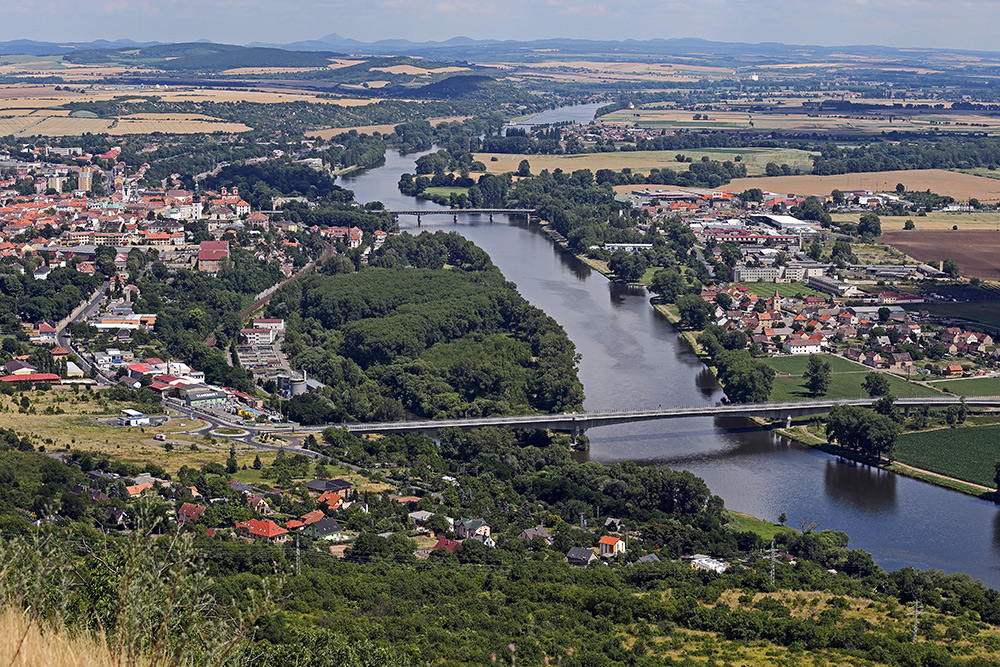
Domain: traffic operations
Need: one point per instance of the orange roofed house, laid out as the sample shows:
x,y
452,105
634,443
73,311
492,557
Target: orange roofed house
x,y
611,546
264,529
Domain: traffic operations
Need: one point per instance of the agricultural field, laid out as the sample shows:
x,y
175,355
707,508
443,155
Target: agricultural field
x,y
936,221
785,290
755,160
418,71
972,386
846,380
59,124
967,453
18,96
588,71
955,184
975,251
789,118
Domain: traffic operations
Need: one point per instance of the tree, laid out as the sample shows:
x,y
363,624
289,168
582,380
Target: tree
x,y
231,464
909,224
900,188
817,376
815,249
257,465
950,267
883,314
870,226
628,266
747,380
694,311
876,384
668,283
523,168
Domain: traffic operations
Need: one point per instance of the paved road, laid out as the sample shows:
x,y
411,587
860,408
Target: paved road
x,y
63,339
578,421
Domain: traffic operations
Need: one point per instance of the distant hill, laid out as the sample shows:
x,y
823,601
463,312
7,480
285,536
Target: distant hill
x,y
450,88
201,57
218,57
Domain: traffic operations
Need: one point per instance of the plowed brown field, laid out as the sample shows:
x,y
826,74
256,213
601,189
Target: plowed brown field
x,y
977,253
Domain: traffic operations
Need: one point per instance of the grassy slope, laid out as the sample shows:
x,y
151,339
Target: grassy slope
x,y
36,648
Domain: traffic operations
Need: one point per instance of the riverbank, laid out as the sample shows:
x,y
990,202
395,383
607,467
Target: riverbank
x,y
803,436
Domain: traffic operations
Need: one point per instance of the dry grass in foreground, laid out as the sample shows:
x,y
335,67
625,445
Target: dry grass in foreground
x,y
27,645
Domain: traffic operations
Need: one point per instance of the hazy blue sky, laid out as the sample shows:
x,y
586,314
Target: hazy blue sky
x,y
936,23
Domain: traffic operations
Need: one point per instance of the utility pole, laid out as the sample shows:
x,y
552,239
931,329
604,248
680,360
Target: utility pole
x,y
915,614
581,519
772,555
298,557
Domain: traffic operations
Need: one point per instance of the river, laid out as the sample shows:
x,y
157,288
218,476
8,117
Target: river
x,y
632,358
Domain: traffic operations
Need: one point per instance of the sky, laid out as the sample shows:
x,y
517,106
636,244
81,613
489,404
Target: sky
x,y
968,24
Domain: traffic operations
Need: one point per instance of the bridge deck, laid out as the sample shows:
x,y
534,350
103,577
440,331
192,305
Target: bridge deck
x,y
578,421
456,211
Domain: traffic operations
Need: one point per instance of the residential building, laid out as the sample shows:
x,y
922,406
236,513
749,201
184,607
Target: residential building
x,y
611,545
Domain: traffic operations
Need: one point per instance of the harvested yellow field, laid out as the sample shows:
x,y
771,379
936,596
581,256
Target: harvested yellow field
x,y
418,71
238,71
58,124
933,222
943,182
37,97
126,126
15,126
755,160
169,116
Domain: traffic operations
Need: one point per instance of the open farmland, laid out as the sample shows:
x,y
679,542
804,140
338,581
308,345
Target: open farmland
x,y
935,221
19,96
989,386
58,124
642,161
788,118
966,453
943,182
975,251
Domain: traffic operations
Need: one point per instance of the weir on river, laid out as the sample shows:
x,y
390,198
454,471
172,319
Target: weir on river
x,y
632,357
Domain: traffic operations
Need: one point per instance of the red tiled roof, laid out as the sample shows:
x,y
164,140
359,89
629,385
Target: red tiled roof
x,y
31,377
263,528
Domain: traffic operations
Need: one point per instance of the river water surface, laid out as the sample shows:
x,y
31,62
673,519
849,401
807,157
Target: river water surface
x,y
633,358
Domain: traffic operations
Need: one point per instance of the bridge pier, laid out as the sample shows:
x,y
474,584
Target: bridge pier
x,y
906,411
788,421
418,219
454,218
491,217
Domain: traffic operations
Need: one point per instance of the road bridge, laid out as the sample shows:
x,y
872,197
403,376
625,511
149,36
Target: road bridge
x,y
454,212
575,422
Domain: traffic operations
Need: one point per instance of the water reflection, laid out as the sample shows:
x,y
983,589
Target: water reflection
x,y
871,490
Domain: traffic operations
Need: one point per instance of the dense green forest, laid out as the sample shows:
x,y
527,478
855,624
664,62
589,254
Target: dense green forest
x,y
52,299
408,335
